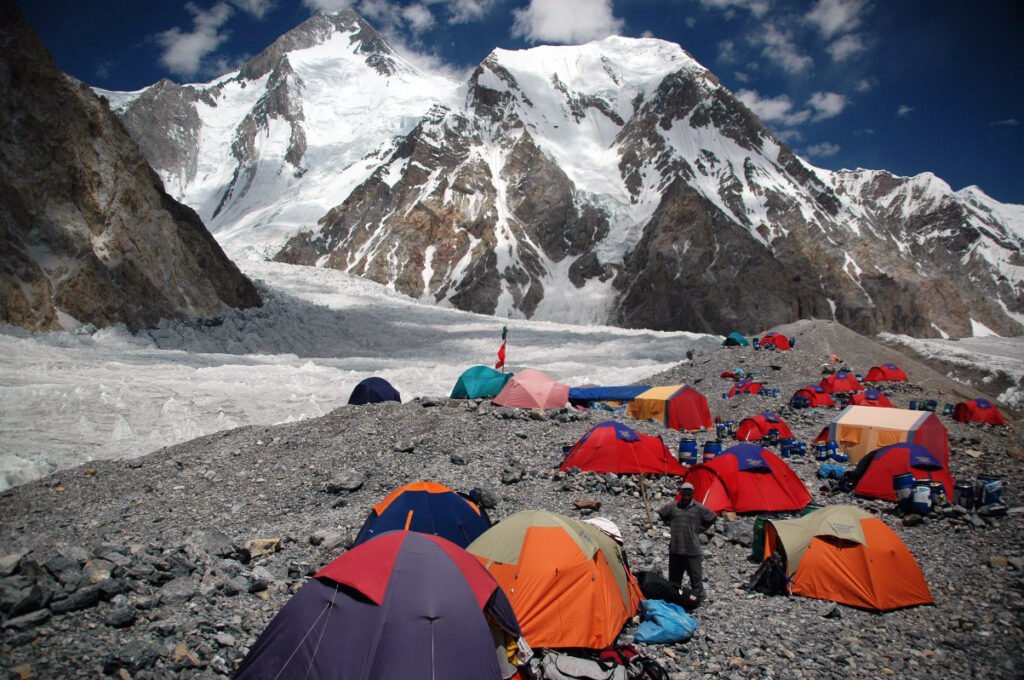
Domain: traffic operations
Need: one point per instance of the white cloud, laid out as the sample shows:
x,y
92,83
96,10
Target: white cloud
x,y
565,21
827,104
774,110
757,7
865,132
778,46
328,5
1009,122
790,136
417,17
741,76
835,17
465,11
690,22
184,53
903,111
865,84
727,51
823,150
846,47
257,8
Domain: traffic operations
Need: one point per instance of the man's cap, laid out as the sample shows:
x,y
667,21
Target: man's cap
x,y
686,486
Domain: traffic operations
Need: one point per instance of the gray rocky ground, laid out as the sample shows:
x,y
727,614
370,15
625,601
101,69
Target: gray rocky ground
x,y
170,565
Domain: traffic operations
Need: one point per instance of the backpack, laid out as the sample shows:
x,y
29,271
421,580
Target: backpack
x,y
770,578
654,586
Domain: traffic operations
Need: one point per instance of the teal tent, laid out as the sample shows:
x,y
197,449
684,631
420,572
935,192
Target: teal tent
x,y
479,382
734,339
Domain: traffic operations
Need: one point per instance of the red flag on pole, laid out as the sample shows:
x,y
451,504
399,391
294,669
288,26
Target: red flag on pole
x,y
501,350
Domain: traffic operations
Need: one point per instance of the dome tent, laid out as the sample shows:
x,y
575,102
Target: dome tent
x,y
734,339
875,471
758,427
870,398
567,580
373,390
747,478
479,382
885,373
429,508
978,411
841,381
402,606
531,388
613,447
815,396
845,554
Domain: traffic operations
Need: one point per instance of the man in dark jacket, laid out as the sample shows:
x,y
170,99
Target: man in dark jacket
x,y
686,519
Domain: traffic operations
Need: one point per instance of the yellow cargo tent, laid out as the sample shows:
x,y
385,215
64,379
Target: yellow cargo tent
x,y
679,407
859,430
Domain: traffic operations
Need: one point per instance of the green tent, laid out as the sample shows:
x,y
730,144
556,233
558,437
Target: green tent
x,y
734,339
479,382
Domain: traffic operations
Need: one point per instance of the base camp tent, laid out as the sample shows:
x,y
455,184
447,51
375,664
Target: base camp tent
x,y
533,389
747,478
776,340
373,390
734,339
844,554
815,395
678,407
875,471
978,411
859,430
614,447
403,606
870,398
429,508
567,580
885,373
841,381
758,427
585,396
479,382
745,387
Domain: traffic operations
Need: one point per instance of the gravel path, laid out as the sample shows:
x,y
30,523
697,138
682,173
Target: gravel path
x,y
154,567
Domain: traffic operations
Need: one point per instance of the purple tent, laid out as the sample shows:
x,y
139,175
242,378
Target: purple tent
x,y
404,605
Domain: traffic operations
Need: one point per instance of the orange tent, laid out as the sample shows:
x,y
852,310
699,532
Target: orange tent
x,y
678,407
533,389
566,580
844,554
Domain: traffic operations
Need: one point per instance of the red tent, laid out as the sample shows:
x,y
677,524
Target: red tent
x,y
747,478
876,470
870,398
776,340
815,396
978,411
841,381
886,373
614,447
758,427
745,387
679,407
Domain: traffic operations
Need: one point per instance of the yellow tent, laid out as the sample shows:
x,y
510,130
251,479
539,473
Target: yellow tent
x,y
677,406
859,430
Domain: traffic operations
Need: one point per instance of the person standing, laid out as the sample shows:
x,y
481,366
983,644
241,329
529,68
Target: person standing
x,y
686,519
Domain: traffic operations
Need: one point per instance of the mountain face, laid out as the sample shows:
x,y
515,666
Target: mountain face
x,y
87,233
614,182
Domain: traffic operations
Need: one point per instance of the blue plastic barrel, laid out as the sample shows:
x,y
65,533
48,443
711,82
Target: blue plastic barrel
x,y
786,447
913,405
903,487
688,452
988,490
792,343
712,449
799,448
757,343
820,451
722,430
938,494
921,500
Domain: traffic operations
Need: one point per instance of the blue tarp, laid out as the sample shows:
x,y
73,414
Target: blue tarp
x,y
585,395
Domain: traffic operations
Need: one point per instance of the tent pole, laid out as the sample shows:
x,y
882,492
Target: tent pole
x,y
647,505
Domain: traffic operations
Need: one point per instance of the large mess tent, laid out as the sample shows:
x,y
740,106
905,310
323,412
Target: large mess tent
x,y
859,430
567,580
678,407
844,554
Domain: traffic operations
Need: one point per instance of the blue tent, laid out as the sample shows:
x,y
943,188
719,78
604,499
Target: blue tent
x,y
429,508
372,391
734,339
586,395
479,382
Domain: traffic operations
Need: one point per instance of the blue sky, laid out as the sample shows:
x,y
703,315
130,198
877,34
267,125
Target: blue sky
x,y
903,85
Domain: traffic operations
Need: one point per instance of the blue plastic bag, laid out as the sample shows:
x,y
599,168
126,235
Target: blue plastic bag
x,y
664,622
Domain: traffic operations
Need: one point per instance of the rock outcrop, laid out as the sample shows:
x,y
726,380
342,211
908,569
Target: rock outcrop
x,y
87,232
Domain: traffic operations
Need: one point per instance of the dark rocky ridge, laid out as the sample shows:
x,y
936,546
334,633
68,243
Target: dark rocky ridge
x,y
86,229
148,565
